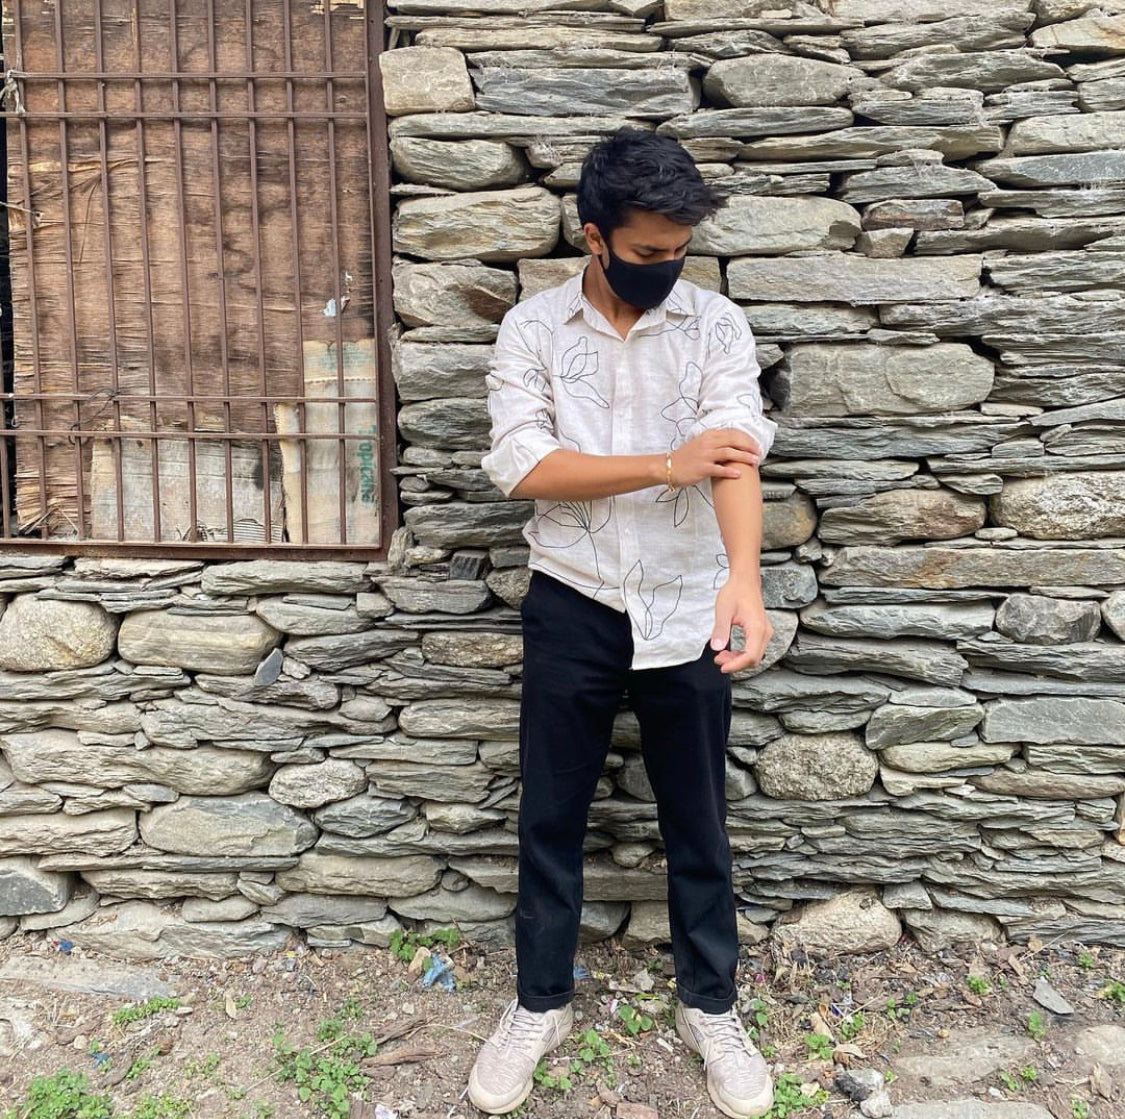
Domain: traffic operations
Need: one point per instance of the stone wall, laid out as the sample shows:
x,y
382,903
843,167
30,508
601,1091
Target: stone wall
x,y
927,232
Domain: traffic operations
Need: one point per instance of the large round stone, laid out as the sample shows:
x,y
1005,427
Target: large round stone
x,y
769,226
1082,505
887,518
222,644
487,225
785,524
939,929
425,80
24,888
46,635
1034,619
458,164
777,79
829,766
310,786
854,921
249,824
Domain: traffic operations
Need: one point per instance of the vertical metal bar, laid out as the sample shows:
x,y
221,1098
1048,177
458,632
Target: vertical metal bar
x,y
255,227
5,491
380,193
341,388
174,49
64,168
287,23
32,301
107,242
146,269
217,185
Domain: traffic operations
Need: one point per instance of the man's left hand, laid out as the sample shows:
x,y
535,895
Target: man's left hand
x,y
739,601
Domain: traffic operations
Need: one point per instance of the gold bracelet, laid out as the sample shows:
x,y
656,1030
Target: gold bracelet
x,y
668,473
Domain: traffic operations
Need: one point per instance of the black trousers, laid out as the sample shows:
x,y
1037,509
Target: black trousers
x,y
576,671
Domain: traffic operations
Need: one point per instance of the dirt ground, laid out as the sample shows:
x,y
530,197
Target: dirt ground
x,y
354,1035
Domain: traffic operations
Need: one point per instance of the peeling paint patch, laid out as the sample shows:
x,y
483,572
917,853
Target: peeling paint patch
x,y
345,299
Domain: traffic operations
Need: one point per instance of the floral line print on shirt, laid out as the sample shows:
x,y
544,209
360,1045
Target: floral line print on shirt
x,y
537,336
687,326
682,413
723,334
650,613
572,523
580,363
722,564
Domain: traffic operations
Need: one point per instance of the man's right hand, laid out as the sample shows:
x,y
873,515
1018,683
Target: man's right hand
x,y
714,454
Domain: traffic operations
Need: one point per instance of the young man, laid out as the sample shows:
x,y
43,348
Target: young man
x,y
625,402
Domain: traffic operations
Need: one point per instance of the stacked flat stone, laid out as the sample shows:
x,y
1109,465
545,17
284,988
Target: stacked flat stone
x,y
927,234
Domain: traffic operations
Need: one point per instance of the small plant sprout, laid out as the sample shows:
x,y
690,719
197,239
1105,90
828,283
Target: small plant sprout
x,y
789,1098
635,1022
979,985
1114,990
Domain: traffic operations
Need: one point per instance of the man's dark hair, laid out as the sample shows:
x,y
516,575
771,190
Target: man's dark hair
x,y
634,168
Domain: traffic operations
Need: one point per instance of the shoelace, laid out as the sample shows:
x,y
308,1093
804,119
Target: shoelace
x,y
729,1035
517,1026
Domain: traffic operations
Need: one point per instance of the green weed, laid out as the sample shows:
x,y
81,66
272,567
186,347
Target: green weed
x,y
1114,990
62,1096
633,1020
137,1012
789,1098
405,944
164,1106
327,1075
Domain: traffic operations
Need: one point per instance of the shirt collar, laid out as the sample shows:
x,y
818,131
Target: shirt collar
x,y
675,303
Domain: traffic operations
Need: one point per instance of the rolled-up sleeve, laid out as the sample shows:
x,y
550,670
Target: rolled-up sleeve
x,y
520,407
729,395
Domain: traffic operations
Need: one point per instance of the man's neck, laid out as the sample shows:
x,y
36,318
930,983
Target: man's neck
x,y
595,287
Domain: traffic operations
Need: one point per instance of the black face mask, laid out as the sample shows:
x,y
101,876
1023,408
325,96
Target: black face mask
x,y
642,285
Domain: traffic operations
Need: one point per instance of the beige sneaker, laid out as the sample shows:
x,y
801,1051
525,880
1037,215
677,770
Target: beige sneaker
x,y
737,1077
502,1077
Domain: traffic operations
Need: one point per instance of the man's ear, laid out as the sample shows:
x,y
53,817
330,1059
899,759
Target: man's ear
x,y
594,240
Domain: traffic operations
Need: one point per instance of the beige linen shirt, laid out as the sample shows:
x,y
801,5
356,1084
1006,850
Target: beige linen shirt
x,y
562,377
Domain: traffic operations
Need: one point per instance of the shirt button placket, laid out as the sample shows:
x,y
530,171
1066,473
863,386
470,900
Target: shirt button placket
x,y
624,417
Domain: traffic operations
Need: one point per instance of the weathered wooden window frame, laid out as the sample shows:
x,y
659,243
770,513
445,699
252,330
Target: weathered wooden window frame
x,y
19,438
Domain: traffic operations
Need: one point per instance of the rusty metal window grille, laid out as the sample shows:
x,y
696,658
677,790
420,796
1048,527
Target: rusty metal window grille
x,y
195,263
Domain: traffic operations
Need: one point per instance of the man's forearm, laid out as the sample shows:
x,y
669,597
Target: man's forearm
x,y
572,476
738,509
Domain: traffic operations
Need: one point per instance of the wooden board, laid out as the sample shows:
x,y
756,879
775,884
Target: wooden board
x,y
320,459
247,524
